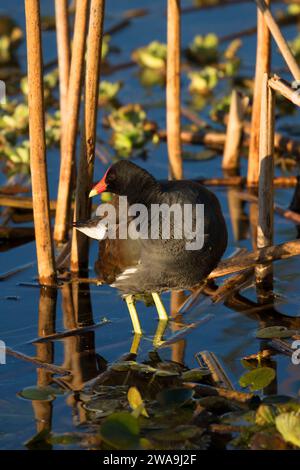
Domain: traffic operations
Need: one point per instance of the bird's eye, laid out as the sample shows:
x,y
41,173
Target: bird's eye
x,y
111,177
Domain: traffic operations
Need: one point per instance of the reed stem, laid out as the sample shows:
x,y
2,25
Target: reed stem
x,y
38,165
173,90
264,274
263,54
63,219
284,88
234,133
80,243
63,52
279,39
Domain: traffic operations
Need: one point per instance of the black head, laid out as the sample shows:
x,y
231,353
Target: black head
x,y
126,179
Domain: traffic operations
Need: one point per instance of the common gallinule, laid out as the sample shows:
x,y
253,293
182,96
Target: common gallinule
x,y
138,264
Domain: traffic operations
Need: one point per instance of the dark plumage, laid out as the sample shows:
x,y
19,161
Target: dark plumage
x,y
141,266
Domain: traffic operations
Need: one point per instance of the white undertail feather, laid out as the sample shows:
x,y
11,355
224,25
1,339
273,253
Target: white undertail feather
x,y
97,232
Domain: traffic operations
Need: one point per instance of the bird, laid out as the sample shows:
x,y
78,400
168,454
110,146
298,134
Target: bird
x,y
140,263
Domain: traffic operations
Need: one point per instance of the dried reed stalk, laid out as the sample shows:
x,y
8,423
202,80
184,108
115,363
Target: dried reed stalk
x,y
218,373
173,90
279,39
215,139
231,156
284,88
38,165
63,52
80,243
264,274
62,218
262,66
262,255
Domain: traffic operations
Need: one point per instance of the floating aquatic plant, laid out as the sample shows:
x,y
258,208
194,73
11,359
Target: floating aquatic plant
x,y
10,37
105,46
257,379
131,129
293,9
153,56
108,91
204,49
204,81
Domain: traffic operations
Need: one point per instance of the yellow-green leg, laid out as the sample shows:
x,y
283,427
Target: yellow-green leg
x,y
133,314
135,343
162,314
161,328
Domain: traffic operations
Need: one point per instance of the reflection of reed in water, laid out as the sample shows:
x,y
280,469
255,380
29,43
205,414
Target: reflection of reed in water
x,y
238,218
45,352
79,350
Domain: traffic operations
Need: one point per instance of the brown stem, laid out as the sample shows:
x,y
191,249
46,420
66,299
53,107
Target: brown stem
x,y
284,88
279,39
173,90
263,255
231,156
38,166
80,243
266,174
70,132
263,54
63,52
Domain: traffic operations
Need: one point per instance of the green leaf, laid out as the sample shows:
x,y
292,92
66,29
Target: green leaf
x,y
166,373
274,332
108,90
265,414
153,56
204,81
121,430
288,424
136,402
204,49
37,393
195,375
103,407
122,366
257,379
105,46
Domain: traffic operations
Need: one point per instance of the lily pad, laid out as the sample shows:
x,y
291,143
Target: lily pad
x,y
274,332
195,375
166,373
122,366
257,379
121,430
288,424
101,406
37,393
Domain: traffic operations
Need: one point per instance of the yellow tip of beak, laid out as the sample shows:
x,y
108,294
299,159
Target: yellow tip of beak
x,y
93,193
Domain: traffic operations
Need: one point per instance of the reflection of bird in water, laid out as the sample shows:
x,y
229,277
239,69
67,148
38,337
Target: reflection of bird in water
x,y
149,260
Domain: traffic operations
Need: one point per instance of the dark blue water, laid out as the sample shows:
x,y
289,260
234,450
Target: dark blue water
x,y
229,334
